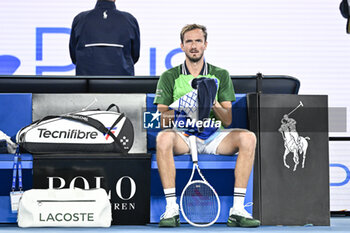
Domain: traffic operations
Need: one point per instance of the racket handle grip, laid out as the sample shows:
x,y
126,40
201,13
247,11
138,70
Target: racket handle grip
x,y
193,144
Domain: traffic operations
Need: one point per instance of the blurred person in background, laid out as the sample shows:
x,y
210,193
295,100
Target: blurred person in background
x,y
344,10
104,41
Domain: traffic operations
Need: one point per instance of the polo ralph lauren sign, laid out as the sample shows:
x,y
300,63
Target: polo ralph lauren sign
x,y
125,178
293,142
291,171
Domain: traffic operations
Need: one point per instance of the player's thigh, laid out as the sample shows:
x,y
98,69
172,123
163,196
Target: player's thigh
x,y
231,143
180,146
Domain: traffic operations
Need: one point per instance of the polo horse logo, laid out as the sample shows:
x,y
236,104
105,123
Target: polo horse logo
x,y
293,143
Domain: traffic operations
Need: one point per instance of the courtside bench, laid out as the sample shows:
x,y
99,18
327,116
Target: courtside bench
x,y
217,169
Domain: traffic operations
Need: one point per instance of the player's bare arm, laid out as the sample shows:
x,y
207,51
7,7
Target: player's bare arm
x,y
223,112
167,115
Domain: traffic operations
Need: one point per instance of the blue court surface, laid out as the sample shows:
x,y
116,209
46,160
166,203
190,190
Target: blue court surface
x,y
338,224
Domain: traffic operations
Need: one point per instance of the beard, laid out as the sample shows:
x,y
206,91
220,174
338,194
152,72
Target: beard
x,y
194,59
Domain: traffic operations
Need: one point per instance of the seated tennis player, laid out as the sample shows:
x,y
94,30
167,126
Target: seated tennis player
x,y
173,85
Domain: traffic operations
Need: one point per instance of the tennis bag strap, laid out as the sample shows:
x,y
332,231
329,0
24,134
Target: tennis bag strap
x,y
113,105
92,122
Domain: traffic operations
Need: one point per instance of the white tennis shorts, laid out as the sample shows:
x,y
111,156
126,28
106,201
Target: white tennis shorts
x,y
208,146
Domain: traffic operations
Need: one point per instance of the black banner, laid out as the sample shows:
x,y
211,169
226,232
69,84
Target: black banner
x,y
291,171
125,178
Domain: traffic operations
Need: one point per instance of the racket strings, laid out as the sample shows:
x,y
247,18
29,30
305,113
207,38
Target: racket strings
x,y
200,204
189,102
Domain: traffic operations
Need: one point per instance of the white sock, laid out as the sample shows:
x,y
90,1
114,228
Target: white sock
x,y
170,196
238,198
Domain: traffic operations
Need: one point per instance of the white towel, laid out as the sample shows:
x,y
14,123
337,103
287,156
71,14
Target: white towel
x,y
11,146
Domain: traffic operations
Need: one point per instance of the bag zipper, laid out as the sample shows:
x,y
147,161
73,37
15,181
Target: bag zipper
x,y
55,201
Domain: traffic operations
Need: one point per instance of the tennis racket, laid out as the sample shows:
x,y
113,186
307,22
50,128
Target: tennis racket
x,y
200,204
187,103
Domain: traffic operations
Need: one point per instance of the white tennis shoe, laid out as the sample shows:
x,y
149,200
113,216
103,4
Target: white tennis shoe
x,y
240,212
170,211
241,218
171,217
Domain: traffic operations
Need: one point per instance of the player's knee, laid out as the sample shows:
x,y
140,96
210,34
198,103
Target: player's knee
x,y
248,140
165,139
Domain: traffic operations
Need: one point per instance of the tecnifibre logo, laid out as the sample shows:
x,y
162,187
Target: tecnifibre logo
x,y
71,133
111,130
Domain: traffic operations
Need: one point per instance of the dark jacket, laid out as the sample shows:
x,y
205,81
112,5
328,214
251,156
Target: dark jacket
x,y
104,41
344,8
